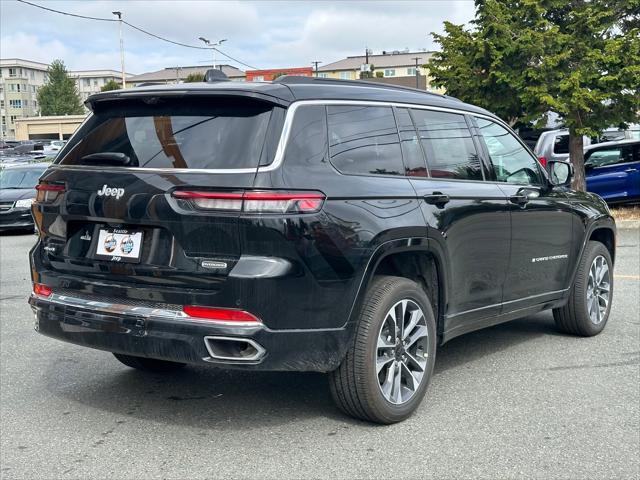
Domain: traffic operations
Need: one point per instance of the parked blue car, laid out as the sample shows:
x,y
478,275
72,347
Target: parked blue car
x,y
613,170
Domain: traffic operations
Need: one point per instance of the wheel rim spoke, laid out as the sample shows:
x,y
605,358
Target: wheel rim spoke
x,y
598,289
402,351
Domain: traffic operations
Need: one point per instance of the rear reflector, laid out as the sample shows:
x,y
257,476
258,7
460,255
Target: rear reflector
x,y
543,161
255,202
42,290
220,314
48,192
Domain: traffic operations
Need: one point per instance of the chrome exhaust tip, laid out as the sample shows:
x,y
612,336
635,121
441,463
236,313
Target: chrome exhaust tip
x,y
235,349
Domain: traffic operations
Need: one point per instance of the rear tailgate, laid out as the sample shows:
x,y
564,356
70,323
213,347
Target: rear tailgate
x,y
113,216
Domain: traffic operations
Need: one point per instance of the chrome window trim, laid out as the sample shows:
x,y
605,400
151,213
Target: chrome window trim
x,y
284,137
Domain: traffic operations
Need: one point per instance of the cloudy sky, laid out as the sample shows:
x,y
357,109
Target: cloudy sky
x,y
263,34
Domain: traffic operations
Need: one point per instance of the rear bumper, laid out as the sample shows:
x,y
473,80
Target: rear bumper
x,y
168,335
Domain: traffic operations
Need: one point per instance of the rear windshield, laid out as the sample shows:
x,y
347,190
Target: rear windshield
x,y
204,135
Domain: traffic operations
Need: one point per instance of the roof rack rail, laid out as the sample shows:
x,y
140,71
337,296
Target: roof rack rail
x,y
297,80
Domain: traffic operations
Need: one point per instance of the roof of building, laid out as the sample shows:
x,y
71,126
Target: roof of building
x,y
98,73
287,90
19,62
388,59
171,73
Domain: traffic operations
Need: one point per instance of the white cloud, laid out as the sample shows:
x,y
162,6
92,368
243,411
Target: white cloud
x,y
264,34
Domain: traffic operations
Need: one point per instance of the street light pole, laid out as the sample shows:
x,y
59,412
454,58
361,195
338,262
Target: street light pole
x,y
213,47
119,15
417,74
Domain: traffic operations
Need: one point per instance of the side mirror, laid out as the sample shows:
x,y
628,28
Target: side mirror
x,y
560,173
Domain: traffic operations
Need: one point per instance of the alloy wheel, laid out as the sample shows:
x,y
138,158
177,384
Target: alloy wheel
x,y
598,289
402,351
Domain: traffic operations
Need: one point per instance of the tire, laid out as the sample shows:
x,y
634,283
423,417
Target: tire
x,y
356,386
148,364
584,314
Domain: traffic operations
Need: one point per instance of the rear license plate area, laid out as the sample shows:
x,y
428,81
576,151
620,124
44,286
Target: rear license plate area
x,y
119,245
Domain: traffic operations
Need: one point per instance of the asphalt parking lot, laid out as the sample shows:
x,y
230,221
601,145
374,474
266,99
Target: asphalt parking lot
x,y
516,400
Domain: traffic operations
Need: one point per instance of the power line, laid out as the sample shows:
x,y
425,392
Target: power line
x,y
138,29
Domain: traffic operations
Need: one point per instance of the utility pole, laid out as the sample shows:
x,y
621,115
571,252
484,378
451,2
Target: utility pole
x,y
417,74
124,80
315,68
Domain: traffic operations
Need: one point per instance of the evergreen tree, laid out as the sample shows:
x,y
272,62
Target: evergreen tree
x,y
59,95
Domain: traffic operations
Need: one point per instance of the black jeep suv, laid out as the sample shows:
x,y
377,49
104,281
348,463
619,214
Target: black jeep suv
x,y
310,225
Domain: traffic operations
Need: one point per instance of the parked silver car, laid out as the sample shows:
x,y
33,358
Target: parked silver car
x,y
554,145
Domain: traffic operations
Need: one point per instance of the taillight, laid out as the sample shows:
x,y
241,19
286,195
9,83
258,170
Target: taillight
x,y
220,314
48,192
543,161
254,202
42,290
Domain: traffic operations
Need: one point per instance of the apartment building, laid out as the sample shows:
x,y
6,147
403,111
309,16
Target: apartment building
x,y
89,82
389,65
19,83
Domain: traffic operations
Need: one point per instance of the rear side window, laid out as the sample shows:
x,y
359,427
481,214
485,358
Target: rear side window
x,y
206,135
364,140
561,144
611,156
414,162
448,145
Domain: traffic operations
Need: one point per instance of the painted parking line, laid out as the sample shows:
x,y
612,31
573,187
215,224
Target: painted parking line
x,y
628,277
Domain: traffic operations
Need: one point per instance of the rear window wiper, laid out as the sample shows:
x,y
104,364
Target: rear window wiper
x,y
112,158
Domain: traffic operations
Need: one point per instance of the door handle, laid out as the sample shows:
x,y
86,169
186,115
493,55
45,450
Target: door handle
x,y
438,199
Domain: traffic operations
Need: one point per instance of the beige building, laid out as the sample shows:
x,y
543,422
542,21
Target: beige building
x,y
178,74
89,82
51,127
19,83
387,65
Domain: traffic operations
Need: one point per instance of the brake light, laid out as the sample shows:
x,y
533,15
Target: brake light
x,y
255,202
48,192
220,314
543,161
42,290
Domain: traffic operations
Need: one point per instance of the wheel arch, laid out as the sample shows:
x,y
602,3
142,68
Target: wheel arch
x,y
416,259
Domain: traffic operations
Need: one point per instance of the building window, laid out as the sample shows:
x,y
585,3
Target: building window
x,y
33,89
4,120
390,72
12,118
12,72
87,82
323,75
411,71
95,82
345,75
258,78
12,87
15,103
25,103
1,103
33,75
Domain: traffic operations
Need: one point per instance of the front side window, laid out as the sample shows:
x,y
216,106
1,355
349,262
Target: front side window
x,y
448,145
364,140
512,163
610,156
